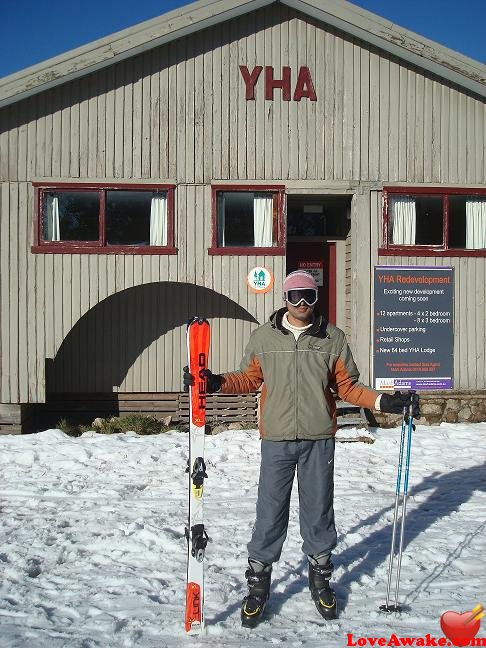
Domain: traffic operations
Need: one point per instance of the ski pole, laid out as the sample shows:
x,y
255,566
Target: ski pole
x,y
405,495
407,419
395,516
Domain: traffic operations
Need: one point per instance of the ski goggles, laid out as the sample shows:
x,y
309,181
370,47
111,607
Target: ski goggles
x,y
306,295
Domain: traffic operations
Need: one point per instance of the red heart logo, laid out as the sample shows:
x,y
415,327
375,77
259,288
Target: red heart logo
x,y
459,628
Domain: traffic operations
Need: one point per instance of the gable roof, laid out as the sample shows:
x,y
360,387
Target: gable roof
x,y
349,18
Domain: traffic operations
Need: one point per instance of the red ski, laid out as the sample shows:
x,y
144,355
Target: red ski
x,y
198,337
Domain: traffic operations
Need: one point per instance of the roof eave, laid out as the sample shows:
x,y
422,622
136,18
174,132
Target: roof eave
x,y
398,41
122,45
364,25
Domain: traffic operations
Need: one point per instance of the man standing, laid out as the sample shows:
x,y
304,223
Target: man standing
x,y
299,360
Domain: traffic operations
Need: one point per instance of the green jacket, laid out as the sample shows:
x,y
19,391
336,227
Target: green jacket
x,y
297,377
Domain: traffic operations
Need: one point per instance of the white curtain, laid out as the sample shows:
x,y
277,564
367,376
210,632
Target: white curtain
x,y
52,215
158,220
403,220
221,219
475,224
263,220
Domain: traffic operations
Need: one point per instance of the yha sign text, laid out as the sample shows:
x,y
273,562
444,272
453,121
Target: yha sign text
x,y
304,87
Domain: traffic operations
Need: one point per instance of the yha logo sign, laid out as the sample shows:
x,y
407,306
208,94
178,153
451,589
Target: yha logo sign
x,y
304,88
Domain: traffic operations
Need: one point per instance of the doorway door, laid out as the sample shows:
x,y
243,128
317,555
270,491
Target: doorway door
x,y
315,225
318,258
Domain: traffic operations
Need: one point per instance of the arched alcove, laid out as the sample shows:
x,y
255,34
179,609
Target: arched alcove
x,y
134,340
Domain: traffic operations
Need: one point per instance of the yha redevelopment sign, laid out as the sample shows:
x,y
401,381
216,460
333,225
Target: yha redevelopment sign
x,y
304,87
413,327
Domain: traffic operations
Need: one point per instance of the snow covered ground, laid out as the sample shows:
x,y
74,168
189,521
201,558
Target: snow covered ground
x,y
92,548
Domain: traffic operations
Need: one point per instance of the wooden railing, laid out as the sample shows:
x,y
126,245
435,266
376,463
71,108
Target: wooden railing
x,y
220,407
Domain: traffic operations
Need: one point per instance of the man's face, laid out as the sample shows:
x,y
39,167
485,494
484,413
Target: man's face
x,y
302,312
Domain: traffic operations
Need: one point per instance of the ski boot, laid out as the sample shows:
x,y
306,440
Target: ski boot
x,y
320,572
258,576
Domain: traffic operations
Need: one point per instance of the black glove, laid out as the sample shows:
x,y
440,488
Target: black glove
x,y
187,379
395,403
213,384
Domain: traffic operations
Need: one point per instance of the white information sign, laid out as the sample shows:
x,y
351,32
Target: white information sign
x,y
315,268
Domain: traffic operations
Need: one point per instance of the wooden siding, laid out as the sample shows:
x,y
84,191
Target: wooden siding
x,y
178,114
469,304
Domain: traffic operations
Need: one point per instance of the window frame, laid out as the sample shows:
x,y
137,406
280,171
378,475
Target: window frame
x,y
441,250
99,246
277,250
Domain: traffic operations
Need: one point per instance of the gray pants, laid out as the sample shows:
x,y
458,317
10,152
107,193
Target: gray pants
x,y
314,461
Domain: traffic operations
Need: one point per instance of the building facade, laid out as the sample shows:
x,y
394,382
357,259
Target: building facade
x,y
144,176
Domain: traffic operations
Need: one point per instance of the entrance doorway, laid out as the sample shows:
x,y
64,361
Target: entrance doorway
x,y
317,229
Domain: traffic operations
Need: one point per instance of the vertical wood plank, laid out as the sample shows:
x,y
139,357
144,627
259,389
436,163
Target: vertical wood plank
x,y
293,107
234,119
4,139
21,140
411,107
74,154
160,146
146,129
419,128
285,107
207,107
374,118
311,108
260,98
302,124
356,114
40,353
428,129
101,171
49,333
200,83
462,138
338,108
83,128
119,121
5,318
365,114
31,170
189,173
128,116
436,111
64,93
137,117
444,134
93,124
384,118
14,287
12,172
109,120
181,111
156,146
453,134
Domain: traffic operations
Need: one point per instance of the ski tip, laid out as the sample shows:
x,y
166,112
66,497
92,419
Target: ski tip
x,y
197,320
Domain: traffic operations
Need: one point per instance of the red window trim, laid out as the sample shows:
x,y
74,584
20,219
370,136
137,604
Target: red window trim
x,y
388,249
100,247
277,250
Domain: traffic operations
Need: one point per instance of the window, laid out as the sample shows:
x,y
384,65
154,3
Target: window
x,y
104,219
430,221
247,220
318,217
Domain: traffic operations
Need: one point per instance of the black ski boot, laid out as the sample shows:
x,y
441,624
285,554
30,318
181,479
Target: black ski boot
x,y
320,572
258,576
